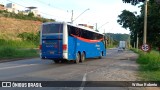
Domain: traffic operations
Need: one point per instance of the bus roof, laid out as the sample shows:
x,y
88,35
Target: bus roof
x,y
82,27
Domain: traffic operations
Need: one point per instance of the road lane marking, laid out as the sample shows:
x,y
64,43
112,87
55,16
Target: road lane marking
x,y
83,82
18,66
84,77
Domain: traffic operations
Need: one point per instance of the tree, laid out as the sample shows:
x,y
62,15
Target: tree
x,y
127,19
31,14
135,23
133,2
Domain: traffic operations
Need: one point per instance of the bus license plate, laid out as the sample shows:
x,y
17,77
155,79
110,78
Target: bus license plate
x,y
51,52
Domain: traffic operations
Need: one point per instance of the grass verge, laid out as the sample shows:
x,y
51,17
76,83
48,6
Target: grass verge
x,y
149,69
10,49
10,53
17,44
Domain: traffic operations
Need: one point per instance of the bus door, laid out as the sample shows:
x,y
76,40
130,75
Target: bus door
x,y
52,36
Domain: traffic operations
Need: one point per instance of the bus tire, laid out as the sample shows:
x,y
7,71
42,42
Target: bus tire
x,y
56,61
83,57
77,58
100,57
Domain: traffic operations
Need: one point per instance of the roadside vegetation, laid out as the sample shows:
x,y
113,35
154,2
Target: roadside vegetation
x,y
19,35
135,22
149,69
10,53
27,47
20,15
149,62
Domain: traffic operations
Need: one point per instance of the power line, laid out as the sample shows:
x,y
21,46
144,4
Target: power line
x,y
49,5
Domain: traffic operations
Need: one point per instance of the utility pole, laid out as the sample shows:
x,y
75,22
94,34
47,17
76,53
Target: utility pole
x,y
109,40
96,26
145,24
72,17
137,42
112,41
129,41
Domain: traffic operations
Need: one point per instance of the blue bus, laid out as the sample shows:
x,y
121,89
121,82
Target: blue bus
x,y
64,41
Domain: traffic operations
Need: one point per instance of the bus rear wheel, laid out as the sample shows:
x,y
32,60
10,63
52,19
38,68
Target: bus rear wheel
x,y
77,58
56,61
100,57
83,57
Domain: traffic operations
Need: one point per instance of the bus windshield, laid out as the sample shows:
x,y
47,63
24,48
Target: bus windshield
x,y
52,28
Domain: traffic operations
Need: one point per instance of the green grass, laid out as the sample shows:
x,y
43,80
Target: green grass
x,y
10,53
150,75
17,49
112,46
17,44
149,65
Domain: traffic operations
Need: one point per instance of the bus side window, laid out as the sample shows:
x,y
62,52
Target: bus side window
x,y
87,35
92,35
69,30
95,36
76,31
80,32
84,34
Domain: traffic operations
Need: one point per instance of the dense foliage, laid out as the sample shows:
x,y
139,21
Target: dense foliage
x,y
118,37
133,2
30,37
129,20
113,39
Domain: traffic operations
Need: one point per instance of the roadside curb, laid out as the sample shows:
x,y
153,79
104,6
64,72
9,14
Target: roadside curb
x,y
15,59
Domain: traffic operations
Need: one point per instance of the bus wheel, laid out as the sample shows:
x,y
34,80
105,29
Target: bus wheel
x,y
100,57
83,57
56,61
77,58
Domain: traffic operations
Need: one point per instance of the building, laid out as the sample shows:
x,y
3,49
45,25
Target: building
x,y
10,7
2,7
85,25
31,9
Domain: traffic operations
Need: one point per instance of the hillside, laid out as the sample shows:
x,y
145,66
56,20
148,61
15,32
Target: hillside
x,y
10,27
119,37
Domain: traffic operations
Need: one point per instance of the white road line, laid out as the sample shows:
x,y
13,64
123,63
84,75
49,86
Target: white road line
x,y
84,77
83,82
18,66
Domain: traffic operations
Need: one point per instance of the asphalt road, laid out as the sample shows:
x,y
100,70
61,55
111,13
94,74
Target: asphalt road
x,y
116,66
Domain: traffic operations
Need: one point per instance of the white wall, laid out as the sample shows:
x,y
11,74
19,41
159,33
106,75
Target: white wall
x,y
12,7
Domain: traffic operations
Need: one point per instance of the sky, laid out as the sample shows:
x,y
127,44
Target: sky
x,y
103,12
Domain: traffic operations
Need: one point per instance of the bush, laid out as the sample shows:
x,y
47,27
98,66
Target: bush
x,y
149,65
7,51
31,14
11,52
30,37
17,44
143,58
16,49
149,61
154,62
